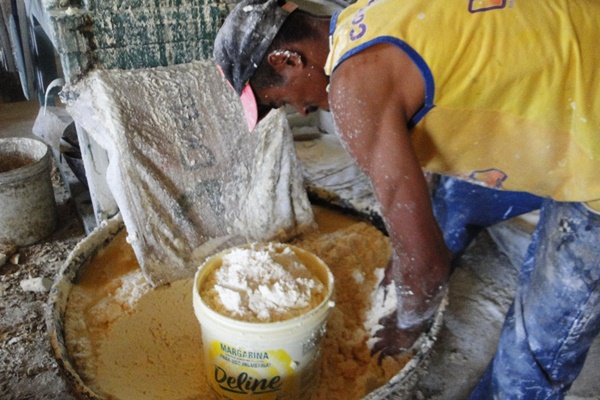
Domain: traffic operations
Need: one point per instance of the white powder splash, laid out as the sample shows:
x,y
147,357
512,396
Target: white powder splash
x,y
384,301
263,285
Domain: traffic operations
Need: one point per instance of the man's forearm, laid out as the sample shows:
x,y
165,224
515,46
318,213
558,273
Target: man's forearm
x,y
419,294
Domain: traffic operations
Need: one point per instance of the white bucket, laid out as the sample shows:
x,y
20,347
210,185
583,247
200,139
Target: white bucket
x,y
28,211
273,360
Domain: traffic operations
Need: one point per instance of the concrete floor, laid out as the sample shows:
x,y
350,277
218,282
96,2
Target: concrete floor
x,y
28,369
480,292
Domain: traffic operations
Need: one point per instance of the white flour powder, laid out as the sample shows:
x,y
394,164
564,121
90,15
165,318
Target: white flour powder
x,y
262,284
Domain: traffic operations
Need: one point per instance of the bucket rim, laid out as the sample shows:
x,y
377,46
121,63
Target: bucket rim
x,y
322,308
28,170
58,299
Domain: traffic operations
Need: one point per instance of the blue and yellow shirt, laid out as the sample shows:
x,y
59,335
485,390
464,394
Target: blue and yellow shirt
x,y
512,87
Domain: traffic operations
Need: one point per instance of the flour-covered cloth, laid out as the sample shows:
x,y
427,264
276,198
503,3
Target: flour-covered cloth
x,y
187,176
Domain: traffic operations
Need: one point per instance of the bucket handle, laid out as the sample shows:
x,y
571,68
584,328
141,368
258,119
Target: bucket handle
x,y
58,82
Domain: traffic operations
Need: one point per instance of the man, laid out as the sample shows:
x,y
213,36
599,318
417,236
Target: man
x,y
502,94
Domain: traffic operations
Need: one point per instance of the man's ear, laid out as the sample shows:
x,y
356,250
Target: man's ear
x,y
284,58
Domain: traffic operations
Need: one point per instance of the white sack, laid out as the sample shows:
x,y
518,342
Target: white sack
x,y
188,177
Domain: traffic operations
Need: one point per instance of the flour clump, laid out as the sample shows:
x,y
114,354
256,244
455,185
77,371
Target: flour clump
x,y
262,284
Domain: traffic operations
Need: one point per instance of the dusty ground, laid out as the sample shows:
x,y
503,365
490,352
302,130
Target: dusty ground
x,y
28,369
27,366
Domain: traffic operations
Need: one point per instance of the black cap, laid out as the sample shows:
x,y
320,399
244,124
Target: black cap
x,y
242,43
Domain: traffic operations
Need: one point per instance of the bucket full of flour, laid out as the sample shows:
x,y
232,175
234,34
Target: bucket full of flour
x,y
28,212
263,309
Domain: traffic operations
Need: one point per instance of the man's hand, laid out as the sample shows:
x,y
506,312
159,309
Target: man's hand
x,y
393,340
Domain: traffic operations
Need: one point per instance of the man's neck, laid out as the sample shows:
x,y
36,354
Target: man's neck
x,y
320,46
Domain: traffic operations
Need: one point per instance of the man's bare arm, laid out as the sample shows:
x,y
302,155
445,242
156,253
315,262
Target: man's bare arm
x,y
372,96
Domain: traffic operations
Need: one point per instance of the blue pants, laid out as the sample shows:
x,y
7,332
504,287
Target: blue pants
x,y
555,315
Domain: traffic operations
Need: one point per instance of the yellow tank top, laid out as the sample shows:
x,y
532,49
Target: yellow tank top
x,y
512,87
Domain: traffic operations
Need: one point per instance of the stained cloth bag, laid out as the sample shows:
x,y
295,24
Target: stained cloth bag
x,y
187,176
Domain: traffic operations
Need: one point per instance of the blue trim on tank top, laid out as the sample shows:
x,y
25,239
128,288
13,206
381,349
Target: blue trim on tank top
x,y
414,56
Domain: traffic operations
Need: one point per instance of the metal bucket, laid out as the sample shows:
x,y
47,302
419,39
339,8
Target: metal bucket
x,y
28,212
400,386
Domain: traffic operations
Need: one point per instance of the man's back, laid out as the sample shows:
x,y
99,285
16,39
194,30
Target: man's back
x,y
492,71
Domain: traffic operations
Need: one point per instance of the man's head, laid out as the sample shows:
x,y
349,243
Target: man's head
x,y
243,41
252,51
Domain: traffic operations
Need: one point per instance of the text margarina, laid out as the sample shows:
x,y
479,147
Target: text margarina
x,y
256,355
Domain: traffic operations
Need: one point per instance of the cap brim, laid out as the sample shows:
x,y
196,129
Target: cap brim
x,y
253,111
250,107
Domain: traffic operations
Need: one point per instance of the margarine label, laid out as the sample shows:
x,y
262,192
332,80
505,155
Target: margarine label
x,y
239,373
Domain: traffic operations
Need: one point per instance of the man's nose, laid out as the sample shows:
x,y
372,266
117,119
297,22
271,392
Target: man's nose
x,y
301,109
305,110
